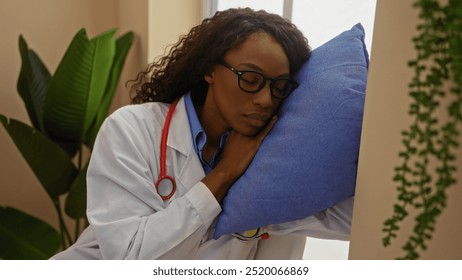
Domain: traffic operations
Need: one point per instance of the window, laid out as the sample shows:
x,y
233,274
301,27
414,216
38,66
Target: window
x,y
318,20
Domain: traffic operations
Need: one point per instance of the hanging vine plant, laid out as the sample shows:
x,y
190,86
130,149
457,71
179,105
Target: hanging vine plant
x,y
428,166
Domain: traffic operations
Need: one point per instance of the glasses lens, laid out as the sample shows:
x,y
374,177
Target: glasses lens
x,y
281,88
251,81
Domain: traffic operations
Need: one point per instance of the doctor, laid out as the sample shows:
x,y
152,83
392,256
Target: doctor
x,y
161,167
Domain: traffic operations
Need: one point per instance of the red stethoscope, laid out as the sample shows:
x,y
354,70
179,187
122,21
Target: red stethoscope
x,y
165,185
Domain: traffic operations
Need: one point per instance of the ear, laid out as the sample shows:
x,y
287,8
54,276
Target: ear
x,y
210,77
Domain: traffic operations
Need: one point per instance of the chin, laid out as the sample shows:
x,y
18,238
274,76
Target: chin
x,y
250,131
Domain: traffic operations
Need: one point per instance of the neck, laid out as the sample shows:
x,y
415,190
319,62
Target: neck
x,y
212,123
213,136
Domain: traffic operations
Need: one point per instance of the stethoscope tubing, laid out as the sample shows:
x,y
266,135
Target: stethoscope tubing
x,y
163,156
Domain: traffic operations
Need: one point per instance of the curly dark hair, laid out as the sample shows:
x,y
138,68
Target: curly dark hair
x,y
193,56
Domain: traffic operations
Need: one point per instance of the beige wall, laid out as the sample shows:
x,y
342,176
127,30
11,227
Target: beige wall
x,y
176,17
385,117
48,26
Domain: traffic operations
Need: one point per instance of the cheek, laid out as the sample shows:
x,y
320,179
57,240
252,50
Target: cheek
x,y
229,98
226,105
231,104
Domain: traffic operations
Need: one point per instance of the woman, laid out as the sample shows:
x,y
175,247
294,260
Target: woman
x,y
227,78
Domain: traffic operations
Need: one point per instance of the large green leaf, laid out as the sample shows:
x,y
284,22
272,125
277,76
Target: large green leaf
x,y
52,166
76,201
23,237
123,45
32,83
77,87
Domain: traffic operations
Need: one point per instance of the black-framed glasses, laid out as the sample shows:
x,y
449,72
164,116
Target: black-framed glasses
x,y
253,81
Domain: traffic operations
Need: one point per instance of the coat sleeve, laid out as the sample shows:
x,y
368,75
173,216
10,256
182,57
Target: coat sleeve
x,y
332,223
129,218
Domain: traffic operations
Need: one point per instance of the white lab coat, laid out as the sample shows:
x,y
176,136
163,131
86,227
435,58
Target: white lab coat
x,y
129,220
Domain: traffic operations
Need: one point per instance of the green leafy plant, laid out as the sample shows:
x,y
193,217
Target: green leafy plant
x,y
66,111
430,143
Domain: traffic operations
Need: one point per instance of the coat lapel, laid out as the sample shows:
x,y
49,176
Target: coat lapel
x,y
185,163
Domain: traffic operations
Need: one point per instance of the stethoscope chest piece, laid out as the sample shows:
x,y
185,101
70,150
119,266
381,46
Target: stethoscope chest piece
x,y
165,187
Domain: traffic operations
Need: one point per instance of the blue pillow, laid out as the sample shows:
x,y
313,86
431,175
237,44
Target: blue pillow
x,y
308,161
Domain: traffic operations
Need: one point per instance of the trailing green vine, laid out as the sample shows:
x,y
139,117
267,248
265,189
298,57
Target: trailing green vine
x,y
430,143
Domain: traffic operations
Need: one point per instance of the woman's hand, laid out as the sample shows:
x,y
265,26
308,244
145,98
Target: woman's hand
x,y
237,155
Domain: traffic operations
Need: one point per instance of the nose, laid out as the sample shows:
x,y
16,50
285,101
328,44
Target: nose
x,y
263,98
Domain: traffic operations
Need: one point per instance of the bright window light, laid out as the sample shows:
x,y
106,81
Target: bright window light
x,y
321,21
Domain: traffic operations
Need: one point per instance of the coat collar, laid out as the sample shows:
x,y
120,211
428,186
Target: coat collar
x,y
180,140
179,137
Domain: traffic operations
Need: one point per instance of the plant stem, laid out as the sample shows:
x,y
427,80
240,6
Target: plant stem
x,y
62,225
77,228
80,159
79,166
